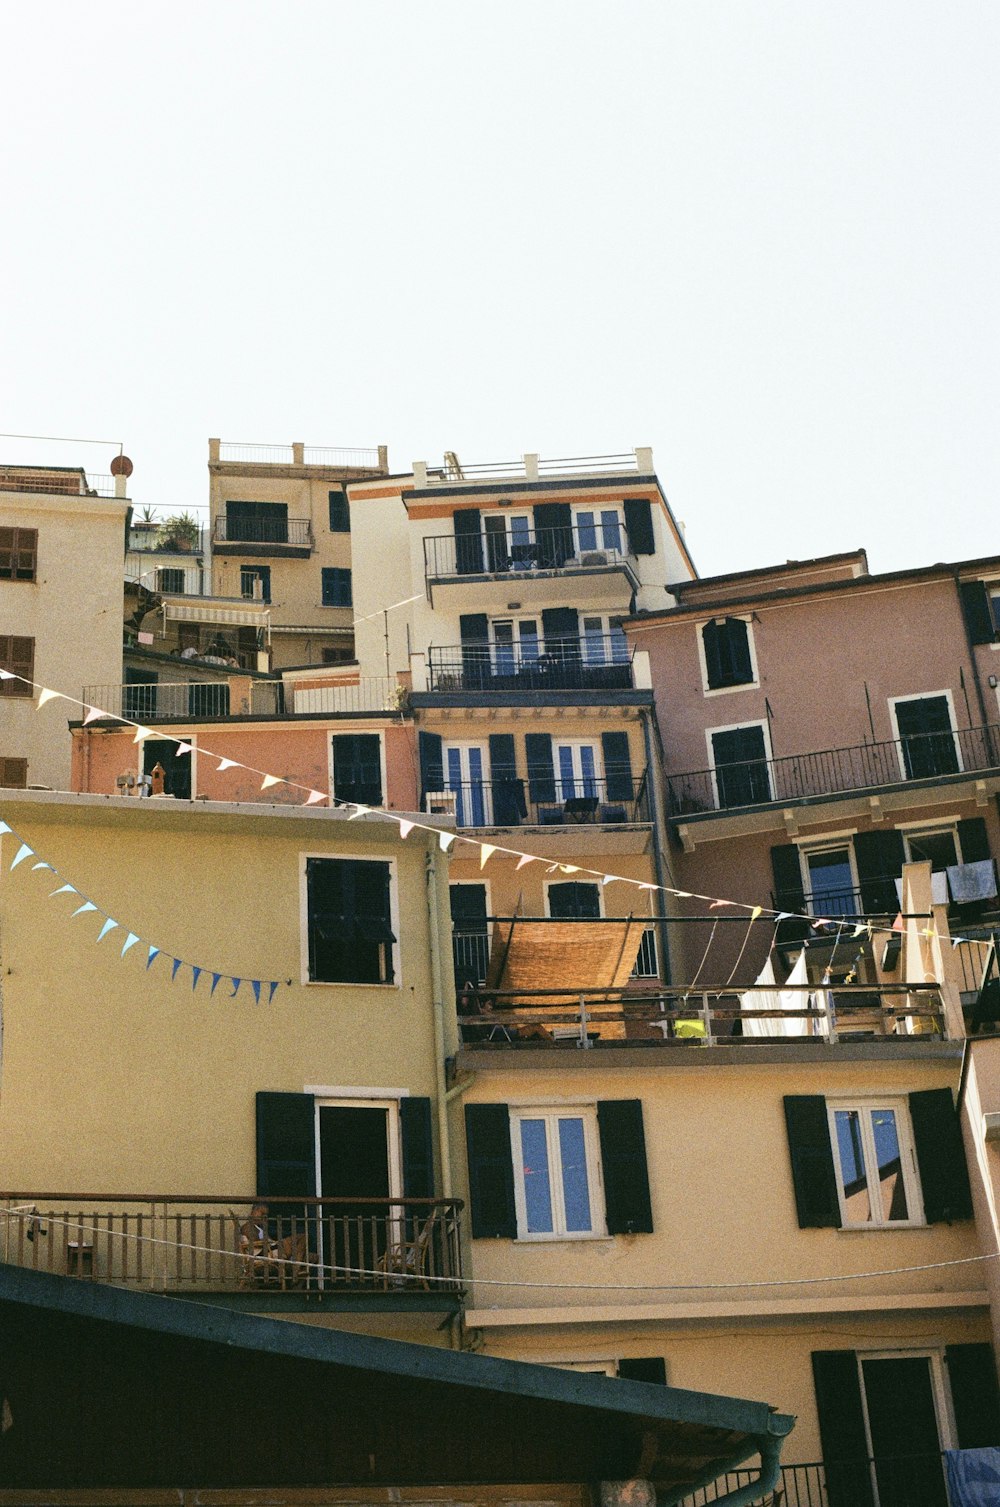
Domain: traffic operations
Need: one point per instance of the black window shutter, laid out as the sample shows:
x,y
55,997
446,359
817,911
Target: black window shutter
x,y
340,513
558,625
813,1173
553,533
491,1172
541,776
639,524
507,790
474,631
738,640
617,766
789,892
431,749
975,1396
880,857
286,1145
977,611
652,1368
623,1160
468,545
937,1135
972,840
842,1428
711,637
418,1147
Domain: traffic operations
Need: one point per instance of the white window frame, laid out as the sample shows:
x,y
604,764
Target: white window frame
x,y
827,845
506,516
549,1112
572,879
335,732
346,1099
727,690
397,962
165,738
931,829
907,1162
605,619
940,1391
576,744
732,727
948,696
599,547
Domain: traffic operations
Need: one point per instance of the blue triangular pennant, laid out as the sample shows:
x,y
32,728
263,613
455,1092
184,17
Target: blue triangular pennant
x,y
271,991
154,953
255,986
109,925
4,827
41,864
197,975
22,853
215,984
173,971
237,982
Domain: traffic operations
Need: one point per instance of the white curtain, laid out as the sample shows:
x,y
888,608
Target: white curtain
x,y
768,996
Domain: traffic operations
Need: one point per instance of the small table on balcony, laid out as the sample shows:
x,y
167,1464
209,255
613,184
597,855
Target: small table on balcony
x,y
581,808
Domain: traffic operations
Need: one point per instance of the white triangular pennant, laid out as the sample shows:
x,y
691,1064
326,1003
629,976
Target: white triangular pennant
x,y
109,925
314,796
524,858
93,712
269,780
486,851
229,764
142,732
46,695
446,839
405,828
359,811
130,941
183,748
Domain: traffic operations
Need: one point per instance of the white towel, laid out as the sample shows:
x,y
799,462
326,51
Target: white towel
x,y
939,888
973,881
771,997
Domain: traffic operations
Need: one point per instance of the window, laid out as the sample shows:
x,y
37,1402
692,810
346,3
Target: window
x,y
876,1171
340,513
336,587
559,1172
573,901
178,769
350,934
727,654
740,758
170,580
604,641
509,543
18,554
336,656
598,529
578,771
515,644
14,774
17,655
256,522
830,888
925,730
255,583
357,768
470,938
647,964
938,847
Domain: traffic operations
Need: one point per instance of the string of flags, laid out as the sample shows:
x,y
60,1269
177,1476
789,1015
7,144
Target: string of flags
x,y
487,850
150,950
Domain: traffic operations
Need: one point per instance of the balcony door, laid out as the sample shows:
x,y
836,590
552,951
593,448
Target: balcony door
x,y
359,1165
927,741
901,1396
740,758
257,522
466,772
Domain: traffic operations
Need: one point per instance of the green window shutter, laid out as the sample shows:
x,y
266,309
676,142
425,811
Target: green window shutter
x,y
973,841
977,611
814,1175
880,857
651,1368
937,1135
340,513
286,1145
975,1396
474,632
491,1172
623,1161
789,892
553,534
711,636
541,775
727,652
418,1147
639,526
507,790
842,1428
468,544
431,749
617,766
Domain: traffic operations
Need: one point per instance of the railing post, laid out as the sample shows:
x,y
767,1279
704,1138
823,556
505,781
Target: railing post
x,y
298,453
706,1015
158,1251
644,460
584,1038
530,467
420,473
213,451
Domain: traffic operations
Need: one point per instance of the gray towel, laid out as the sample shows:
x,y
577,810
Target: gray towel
x,y
973,881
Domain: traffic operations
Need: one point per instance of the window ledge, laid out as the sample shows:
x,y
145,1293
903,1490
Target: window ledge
x,y
563,1239
349,984
727,690
883,1229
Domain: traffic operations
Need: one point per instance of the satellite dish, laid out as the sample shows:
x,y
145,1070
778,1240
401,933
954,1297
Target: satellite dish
x,y
121,466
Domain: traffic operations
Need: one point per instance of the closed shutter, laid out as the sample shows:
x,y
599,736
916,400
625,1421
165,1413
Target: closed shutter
x,y
286,1145
842,1432
561,630
973,841
418,1147
507,790
975,1396
349,921
639,525
880,857
357,768
340,513
937,1135
727,652
740,756
623,1162
474,631
553,534
711,636
491,1172
651,1368
977,611
18,656
431,749
814,1176
617,766
541,776
468,543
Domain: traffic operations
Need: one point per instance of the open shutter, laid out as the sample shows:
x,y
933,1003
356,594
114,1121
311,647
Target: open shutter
x,y
541,776
842,1428
491,1172
975,1396
474,631
813,1173
652,1368
617,766
553,533
418,1147
507,790
977,611
286,1145
468,543
789,893
937,1135
431,749
880,857
639,525
560,627
973,841
623,1162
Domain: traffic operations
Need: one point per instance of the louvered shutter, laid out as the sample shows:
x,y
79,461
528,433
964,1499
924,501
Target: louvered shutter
x,y
814,1175
474,631
639,526
617,766
789,892
880,857
506,789
541,776
553,534
623,1163
468,542
937,1135
431,749
286,1155
491,1172
975,1396
842,1428
977,611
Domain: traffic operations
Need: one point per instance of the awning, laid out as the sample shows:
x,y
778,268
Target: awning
x,y
575,956
244,617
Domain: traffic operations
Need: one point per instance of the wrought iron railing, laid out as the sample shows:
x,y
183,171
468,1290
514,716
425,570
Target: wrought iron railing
x,y
171,701
863,766
511,802
295,532
578,547
595,662
179,1243
528,467
885,1481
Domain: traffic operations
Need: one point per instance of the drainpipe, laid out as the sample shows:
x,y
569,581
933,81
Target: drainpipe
x,y
769,1448
437,999
653,777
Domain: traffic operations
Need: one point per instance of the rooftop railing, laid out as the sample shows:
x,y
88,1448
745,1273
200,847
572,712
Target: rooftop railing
x,y
596,662
863,766
295,532
531,467
576,548
371,458
159,701
513,802
63,481
160,540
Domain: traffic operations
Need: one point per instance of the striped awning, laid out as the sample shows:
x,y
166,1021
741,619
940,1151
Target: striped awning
x,y
244,617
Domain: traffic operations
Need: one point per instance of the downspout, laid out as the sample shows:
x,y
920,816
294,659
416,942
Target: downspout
x,y
769,1449
437,1002
653,776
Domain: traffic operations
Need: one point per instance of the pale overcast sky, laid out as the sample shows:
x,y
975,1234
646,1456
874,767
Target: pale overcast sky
x,y
761,237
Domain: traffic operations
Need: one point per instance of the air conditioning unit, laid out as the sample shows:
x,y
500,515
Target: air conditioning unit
x,y
594,557
441,803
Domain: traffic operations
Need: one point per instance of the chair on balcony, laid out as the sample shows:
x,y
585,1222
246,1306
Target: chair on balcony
x,y
407,1257
266,1262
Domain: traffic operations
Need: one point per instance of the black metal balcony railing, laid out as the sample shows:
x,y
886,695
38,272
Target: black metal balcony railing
x,y
470,944
596,662
864,766
575,548
886,1481
177,1244
296,532
161,700
509,802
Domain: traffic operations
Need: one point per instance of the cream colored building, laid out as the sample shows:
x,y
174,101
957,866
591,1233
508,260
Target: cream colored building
x,y
62,541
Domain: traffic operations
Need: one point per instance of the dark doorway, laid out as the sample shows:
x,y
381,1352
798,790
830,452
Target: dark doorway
x,y
927,737
902,1422
354,1168
176,767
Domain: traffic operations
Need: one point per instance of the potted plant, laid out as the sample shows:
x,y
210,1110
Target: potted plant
x,y
180,532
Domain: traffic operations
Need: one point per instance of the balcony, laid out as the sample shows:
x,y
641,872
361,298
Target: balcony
x,y
369,1253
596,662
917,758
574,804
291,538
156,538
470,946
915,1480
161,700
530,468
544,566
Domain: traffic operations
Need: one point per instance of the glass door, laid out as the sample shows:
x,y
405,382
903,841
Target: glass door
x,y
467,774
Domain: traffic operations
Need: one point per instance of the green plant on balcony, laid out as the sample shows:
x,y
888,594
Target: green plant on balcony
x,y
180,533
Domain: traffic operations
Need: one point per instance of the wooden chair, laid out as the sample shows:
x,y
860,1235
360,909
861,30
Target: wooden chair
x,y
407,1258
260,1261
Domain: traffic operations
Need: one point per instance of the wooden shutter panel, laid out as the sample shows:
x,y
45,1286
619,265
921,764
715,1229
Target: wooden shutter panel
x,y
937,1135
286,1145
977,611
507,790
474,631
711,635
737,634
418,1147
842,1428
651,1368
639,525
972,840
789,892
813,1173
553,533
468,545
975,1396
541,776
431,749
623,1161
617,766
880,857
491,1172
559,624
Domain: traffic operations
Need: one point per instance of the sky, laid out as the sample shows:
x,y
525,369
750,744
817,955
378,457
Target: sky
x,y
760,236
